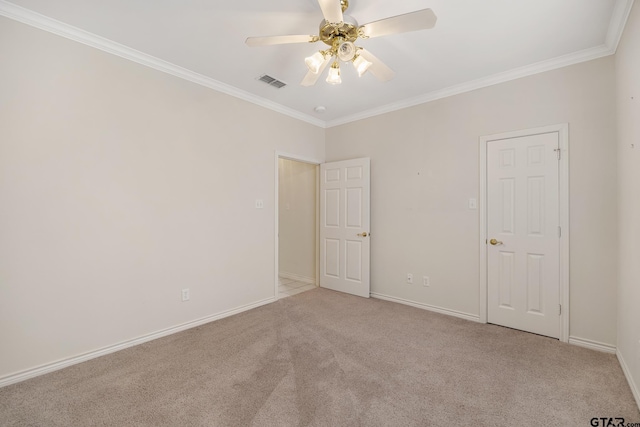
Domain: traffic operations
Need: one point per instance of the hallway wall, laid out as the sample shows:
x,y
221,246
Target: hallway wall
x,y
297,219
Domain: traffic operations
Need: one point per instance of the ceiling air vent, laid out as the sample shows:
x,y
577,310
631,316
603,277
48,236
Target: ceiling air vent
x,y
271,81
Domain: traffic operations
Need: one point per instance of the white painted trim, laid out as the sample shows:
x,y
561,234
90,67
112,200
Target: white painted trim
x,y
517,73
298,158
448,312
619,17
483,303
298,278
318,225
565,240
627,373
26,16
64,363
276,227
51,25
593,345
290,156
563,195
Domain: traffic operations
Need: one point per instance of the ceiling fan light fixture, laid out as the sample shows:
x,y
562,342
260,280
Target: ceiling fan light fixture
x,y
314,62
361,65
340,32
346,51
334,74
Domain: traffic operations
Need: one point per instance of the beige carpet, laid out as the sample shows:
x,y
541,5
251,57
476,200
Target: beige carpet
x,y
323,358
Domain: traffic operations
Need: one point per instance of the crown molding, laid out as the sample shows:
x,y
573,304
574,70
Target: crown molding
x,y
621,12
619,17
45,23
516,73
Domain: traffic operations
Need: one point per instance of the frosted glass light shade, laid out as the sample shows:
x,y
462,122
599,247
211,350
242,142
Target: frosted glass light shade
x,y
361,65
314,62
334,74
346,51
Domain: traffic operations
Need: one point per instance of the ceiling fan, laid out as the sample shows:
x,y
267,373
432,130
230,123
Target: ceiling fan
x,y
340,31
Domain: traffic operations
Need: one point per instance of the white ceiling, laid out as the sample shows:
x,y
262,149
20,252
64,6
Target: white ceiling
x,y
474,43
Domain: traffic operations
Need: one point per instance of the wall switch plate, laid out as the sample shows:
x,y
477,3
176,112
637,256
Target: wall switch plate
x,y
259,203
425,281
473,204
185,294
410,278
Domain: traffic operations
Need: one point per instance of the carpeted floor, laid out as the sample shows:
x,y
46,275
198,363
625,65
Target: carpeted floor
x,y
323,358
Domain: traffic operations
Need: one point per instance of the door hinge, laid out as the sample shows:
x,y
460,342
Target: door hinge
x,y
559,231
558,152
559,309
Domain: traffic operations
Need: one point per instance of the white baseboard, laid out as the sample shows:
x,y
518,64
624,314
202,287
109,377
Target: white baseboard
x,y
593,345
461,315
297,278
627,373
60,364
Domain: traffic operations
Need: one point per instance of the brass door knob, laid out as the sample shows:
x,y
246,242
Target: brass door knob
x,y
495,242
364,234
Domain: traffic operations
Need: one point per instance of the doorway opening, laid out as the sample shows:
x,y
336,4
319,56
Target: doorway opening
x,y
297,207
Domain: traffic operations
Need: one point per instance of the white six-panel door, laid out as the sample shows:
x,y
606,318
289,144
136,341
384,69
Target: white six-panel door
x,y
344,226
523,248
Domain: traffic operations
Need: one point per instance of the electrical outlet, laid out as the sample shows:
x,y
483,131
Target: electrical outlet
x,y
259,203
410,278
185,294
425,281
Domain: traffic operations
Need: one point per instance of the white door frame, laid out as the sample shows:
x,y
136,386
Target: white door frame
x,y
563,194
297,158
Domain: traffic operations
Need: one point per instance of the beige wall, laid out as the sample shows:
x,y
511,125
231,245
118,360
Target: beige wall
x,y
297,219
628,79
424,164
119,186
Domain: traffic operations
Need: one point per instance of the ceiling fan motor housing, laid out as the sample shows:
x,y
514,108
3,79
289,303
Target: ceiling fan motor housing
x,y
346,31
340,31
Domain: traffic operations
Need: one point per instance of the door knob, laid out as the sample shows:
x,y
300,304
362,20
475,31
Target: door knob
x,y
364,234
495,242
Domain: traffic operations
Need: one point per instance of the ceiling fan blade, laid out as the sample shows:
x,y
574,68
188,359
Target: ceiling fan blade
x,y
331,10
421,20
273,40
378,68
311,78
